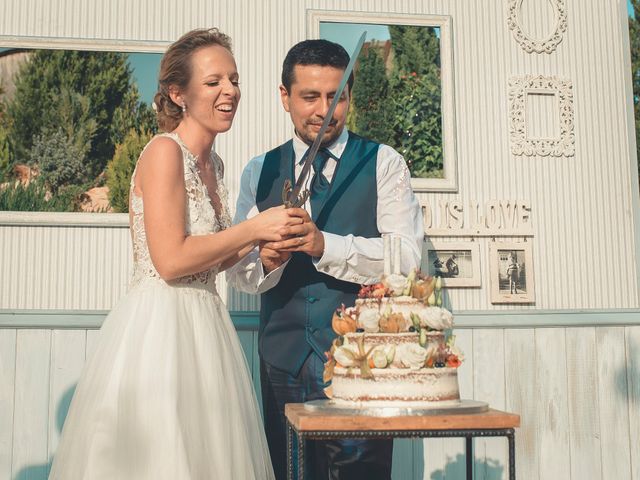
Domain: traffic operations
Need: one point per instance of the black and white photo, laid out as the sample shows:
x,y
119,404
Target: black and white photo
x,y
457,263
511,272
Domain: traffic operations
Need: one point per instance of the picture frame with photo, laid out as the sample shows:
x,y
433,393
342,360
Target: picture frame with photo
x,y
511,270
457,263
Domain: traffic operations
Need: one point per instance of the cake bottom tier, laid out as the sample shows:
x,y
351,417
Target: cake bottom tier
x,y
396,385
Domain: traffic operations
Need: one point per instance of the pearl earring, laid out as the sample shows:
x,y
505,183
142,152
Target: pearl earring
x,y
184,108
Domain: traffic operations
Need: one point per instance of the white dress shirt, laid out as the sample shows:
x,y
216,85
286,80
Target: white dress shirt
x,y
346,257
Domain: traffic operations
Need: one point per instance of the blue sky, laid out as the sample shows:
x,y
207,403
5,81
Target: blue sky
x,y
347,34
145,71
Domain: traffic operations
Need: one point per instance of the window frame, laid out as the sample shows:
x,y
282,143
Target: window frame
x,y
449,183
86,219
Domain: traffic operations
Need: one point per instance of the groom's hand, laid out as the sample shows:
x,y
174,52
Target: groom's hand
x,y
270,257
302,238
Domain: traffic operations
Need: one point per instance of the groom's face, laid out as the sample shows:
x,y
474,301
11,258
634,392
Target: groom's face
x,y
308,100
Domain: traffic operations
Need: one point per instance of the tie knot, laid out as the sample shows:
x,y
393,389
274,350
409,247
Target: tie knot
x,y
321,159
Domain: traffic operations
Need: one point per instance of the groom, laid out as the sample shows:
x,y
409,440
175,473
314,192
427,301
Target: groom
x,y
359,190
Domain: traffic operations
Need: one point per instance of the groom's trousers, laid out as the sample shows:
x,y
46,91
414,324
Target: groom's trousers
x,y
334,459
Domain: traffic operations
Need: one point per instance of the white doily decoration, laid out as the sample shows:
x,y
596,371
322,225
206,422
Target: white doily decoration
x,y
564,143
529,44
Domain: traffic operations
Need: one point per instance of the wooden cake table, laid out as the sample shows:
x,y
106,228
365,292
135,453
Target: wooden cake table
x,y
325,422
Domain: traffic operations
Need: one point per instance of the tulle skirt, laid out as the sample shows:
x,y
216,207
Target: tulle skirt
x,y
166,395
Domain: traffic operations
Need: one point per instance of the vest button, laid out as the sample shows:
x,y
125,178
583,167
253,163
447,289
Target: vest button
x,y
312,299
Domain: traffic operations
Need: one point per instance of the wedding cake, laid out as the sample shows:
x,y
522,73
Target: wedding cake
x,y
393,347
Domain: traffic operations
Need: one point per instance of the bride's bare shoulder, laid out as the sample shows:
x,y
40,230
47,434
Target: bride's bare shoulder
x,y
161,152
161,149
161,159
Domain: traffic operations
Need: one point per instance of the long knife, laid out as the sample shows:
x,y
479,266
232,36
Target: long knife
x,y
297,197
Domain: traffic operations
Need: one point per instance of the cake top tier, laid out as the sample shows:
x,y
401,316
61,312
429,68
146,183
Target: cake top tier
x,y
397,304
416,285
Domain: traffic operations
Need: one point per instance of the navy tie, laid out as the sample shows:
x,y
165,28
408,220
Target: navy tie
x,y
319,183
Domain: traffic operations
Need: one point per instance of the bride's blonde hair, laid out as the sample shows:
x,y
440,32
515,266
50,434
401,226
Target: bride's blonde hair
x,y
175,70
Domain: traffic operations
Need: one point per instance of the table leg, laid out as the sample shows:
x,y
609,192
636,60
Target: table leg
x,y
301,443
512,454
469,457
289,452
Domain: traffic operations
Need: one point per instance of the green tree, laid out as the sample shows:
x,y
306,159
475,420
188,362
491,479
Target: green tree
x,y
369,97
35,197
3,107
403,107
416,99
2,104
60,160
132,113
416,49
19,197
75,120
634,38
5,156
417,123
121,168
5,146
102,79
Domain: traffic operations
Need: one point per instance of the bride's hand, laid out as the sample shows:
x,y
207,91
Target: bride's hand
x,y
271,224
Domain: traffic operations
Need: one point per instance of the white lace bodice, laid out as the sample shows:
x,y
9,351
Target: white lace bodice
x,y
200,219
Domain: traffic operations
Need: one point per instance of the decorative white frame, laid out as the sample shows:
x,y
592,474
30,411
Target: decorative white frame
x,y
521,144
55,43
494,281
530,45
450,162
474,247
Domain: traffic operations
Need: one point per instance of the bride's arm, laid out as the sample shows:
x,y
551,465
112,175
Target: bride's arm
x,y
235,258
174,253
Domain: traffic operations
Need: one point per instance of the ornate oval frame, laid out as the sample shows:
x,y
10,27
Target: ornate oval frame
x,y
528,44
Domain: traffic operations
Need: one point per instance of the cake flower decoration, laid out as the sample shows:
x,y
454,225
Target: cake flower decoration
x,y
436,318
396,283
348,356
412,355
342,322
423,288
370,321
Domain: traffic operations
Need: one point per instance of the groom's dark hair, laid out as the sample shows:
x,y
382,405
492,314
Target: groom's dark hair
x,y
314,52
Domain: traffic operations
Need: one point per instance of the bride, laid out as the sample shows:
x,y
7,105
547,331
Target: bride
x,y
167,394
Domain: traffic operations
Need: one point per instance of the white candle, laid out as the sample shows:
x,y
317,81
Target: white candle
x,y
386,253
397,246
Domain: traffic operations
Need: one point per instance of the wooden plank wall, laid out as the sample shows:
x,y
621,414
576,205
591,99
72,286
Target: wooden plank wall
x,y
584,210
577,389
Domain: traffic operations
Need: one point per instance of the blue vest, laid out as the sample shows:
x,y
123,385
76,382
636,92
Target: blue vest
x,y
295,315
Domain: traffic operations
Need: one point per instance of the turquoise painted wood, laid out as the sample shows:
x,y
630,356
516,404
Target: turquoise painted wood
x,y
404,461
576,389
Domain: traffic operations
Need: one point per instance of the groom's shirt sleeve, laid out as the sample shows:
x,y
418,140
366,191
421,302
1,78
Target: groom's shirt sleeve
x,y
248,274
360,260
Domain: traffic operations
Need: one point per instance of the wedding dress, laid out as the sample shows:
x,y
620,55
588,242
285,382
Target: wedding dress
x,y
167,393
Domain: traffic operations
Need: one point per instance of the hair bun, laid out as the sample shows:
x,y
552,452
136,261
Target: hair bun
x,y
167,112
